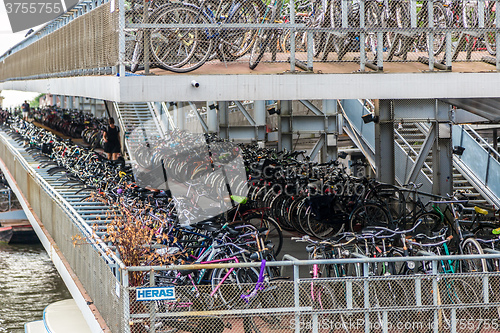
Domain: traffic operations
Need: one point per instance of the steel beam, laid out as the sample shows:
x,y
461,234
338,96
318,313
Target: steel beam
x,y
330,110
422,155
442,161
384,142
213,125
223,120
70,102
285,126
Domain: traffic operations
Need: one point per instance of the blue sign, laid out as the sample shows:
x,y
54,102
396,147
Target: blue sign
x,y
155,294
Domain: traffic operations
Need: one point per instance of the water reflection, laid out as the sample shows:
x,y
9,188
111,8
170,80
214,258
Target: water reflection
x,y
28,283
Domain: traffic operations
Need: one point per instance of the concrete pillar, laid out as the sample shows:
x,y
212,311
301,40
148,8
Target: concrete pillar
x,y
212,117
442,157
384,142
330,150
285,135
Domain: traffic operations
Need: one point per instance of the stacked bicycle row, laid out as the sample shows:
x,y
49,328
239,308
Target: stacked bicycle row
x,y
176,45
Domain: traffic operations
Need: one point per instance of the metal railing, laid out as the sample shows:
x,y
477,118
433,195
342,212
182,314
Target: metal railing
x,y
479,164
369,33
432,302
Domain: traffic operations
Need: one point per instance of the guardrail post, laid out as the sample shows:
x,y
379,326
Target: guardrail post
x,y
497,35
418,291
362,50
413,13
454,320
292,35
435,296
121,38
126,302
366,287
310,53
296,297
486,289
152,312
430,16
146,37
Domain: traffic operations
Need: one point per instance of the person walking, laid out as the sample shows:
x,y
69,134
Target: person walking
x,y
111,136
26,110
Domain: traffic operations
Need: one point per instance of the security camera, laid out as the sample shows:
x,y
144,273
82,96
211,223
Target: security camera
x,y
195,84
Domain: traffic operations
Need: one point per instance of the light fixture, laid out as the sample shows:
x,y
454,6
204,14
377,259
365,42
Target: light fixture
x,y
368,118
342,155
273,110
458,150
213,107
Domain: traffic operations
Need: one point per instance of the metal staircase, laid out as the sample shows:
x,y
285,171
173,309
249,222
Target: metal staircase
x,y
476,172
139,123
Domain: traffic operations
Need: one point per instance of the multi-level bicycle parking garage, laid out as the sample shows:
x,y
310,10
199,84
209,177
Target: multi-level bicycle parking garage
x,y
398,85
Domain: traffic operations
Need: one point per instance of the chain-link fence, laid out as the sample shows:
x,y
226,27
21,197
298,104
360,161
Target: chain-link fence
x,y
181,37
299,35
88,45
433,302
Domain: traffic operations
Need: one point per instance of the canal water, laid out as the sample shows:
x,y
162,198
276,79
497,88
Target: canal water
x,y
28,283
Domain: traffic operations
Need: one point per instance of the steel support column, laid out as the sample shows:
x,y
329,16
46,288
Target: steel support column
x,y
179,115
442,157
54,100
384,141
330,149
70,102
93,107
259,116
285,135
223,119
213,125
63,101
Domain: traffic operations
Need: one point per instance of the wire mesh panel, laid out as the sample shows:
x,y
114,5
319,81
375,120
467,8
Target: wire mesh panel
x,y
88,42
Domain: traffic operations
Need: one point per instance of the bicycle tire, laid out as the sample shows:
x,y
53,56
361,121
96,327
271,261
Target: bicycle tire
x,y
461,292
319,228
369,214
428,222
259,46
184,49
440,21
472,246
235,43
372,20
275,234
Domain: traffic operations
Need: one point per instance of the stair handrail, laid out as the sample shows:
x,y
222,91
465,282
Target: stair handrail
x,y
355,130
490,149
169,117
156,118
122,125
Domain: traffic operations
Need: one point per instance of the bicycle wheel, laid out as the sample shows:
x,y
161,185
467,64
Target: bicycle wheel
x,y
471,246
428,222
372,20
469,13
440,21
396,16
490,22
391,198
369,214
259,46
318,228
234,43
461,292
180,50
275,234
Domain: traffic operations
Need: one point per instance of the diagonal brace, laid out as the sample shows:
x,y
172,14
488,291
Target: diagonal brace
x,y
245,112
311,107
202,122
315,150
422,155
